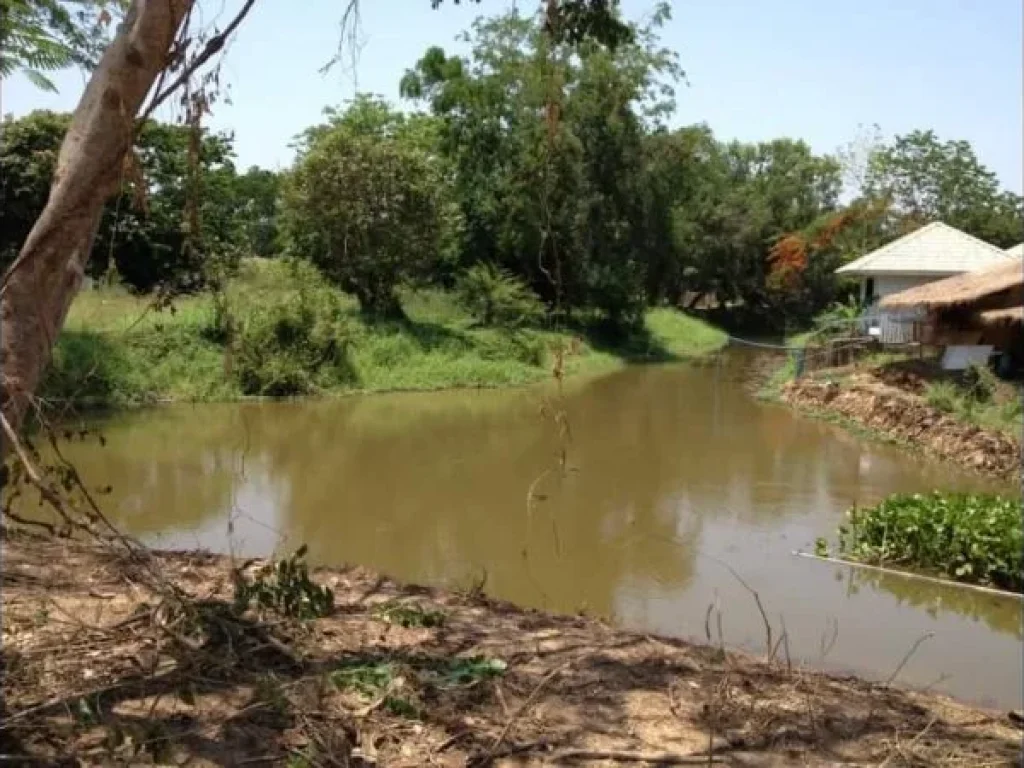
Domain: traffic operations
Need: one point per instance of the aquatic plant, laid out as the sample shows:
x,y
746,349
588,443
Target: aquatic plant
x,y
968,537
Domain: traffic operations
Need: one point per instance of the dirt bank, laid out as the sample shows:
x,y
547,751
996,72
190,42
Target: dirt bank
x,y
102,667
903,416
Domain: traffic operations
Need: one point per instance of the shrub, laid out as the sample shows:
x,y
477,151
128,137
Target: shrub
x,y
980,383
293,345
283,587
968,537
494,297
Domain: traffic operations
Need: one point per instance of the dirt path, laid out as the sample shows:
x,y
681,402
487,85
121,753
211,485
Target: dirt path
x,y
98,672
904,417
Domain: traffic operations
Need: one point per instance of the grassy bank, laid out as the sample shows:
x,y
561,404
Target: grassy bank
x,y
169,664
974,538
285,332
975,397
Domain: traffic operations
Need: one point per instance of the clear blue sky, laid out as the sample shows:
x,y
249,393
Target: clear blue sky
x,y
757,69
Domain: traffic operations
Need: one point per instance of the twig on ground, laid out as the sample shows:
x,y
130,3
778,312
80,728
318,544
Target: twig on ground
x,y
492,751
911,745
657,758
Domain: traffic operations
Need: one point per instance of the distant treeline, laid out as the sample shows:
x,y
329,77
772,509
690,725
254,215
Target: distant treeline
x,y
532,168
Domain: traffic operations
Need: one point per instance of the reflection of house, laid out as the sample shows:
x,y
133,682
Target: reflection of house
x,y
980,310
931,253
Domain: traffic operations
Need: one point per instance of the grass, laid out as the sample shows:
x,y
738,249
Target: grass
x,y
979,398
293,334
974,538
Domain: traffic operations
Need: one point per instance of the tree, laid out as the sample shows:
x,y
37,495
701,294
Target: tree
x,y
142,234
38,287
39,36
930,180
547,146
28,156
365,204
745,197
256,194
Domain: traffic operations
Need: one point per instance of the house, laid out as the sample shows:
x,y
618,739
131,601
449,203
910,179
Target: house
x,y
1017,251
931,253
971,314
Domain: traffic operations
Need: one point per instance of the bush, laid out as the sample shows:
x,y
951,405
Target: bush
x,y
293,345
968,537
494,297
980,383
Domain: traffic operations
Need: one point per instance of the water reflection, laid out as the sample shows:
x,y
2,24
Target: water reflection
x,y
672,471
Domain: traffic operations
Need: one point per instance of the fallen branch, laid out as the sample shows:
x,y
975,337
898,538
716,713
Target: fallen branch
x,y
622,756
492,752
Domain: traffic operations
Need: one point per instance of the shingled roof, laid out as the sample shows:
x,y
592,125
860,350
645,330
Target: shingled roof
x,y
935,249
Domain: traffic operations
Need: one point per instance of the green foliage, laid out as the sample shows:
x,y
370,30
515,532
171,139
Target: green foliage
x,y
365,203
558,202
978,397
838,318
366,678
980,383
39,36
967,537
469,671
943,395
409,615
400,686
495,297
586,20
294,344
283,587
117,350
930,180
141,236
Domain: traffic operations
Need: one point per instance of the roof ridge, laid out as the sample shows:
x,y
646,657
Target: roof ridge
x,y
987,244
938,228
867,258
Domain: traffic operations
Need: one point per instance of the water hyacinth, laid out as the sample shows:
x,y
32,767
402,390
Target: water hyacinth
x,y
968,537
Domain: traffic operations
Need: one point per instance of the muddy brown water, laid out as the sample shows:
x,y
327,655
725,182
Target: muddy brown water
x,y
673,474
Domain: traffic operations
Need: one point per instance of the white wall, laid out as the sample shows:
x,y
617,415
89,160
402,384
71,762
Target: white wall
x,y
889,284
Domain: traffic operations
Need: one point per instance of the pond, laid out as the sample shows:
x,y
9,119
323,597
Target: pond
x,y
672,476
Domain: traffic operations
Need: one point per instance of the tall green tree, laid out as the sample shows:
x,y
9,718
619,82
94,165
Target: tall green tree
x,y
742,200
256,195
365,203
141,235
927,179
547,146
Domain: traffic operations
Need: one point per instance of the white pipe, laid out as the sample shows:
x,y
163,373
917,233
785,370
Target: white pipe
x,y
911,575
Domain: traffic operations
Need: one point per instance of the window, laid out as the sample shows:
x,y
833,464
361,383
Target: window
x,y
869,291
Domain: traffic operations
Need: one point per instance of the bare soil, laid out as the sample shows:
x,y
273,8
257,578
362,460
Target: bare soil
x,y
101,668
888,401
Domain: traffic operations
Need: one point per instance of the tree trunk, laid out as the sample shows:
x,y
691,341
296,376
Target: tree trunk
x,y
39,286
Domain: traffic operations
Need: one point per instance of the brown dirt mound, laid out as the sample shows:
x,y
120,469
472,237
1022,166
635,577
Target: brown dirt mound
x,y
99,673
905,417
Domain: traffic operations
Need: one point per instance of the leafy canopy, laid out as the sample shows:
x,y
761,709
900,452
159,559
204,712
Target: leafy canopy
x,y
41,36
365,202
